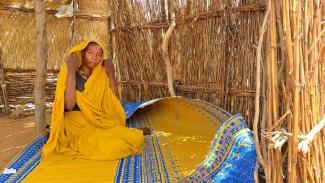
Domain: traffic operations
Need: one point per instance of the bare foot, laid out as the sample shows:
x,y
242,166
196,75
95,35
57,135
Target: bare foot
x,y
48,128
145,130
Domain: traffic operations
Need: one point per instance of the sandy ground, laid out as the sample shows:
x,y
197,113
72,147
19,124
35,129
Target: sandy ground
x,y
15,134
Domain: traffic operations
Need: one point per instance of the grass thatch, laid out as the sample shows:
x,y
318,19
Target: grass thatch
x,y
213,52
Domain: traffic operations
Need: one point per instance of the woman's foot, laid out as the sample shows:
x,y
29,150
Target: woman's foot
x,y
48,128
145,130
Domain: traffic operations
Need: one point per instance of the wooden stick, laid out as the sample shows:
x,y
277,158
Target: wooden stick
x,y
316,40
258,83
164,47
296,93
272,70
277,123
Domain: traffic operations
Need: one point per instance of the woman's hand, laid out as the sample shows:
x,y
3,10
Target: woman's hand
x,y
73,62
109,67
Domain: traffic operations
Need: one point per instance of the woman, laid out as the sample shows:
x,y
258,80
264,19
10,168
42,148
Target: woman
x,y
88,120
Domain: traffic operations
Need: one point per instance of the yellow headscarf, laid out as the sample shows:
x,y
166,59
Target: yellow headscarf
x,y
97,102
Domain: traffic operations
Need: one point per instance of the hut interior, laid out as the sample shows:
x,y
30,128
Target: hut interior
x,y
264,59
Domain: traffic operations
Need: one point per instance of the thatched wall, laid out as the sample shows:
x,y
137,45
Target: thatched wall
x,y
18,31
213,51
20,86
201,47
209,50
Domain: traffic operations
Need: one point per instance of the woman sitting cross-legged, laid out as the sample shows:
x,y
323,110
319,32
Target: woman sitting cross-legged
x,y
88,120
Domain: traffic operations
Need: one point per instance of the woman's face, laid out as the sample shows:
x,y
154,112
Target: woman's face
x,y
92,55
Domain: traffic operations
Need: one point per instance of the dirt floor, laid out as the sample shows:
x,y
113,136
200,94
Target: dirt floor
x,y
15,134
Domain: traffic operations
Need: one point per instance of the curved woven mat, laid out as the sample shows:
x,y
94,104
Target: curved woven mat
x,y
193,141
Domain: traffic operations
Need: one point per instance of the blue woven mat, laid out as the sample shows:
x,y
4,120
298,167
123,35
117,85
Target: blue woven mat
x,y
231,158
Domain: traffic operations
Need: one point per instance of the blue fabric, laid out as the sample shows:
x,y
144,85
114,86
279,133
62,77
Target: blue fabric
x,y
231,158
131,107
26,161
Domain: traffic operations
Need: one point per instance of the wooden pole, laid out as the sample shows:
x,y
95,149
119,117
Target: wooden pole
x,y
41,63
73,23
227,52
164,47
4,98
257,95
163,11
296,92
276,173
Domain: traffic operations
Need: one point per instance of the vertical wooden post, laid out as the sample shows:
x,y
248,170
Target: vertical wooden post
x,y
257,94
41,63
275,159
227,52
4,98
73,25
163,11
296,91
164,47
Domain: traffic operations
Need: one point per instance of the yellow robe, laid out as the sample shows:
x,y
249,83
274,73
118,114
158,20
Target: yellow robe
x,y
97,131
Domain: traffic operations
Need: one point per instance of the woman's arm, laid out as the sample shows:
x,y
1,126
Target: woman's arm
x,y
70,90
109,67
113,84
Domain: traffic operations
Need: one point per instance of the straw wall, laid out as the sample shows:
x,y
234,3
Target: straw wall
x,y
213,53
17,40
209,50
294,101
